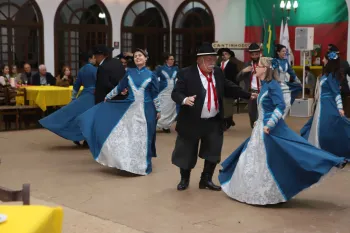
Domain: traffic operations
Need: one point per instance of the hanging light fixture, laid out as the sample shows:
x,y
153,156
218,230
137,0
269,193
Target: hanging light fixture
x,y
288,5
102,15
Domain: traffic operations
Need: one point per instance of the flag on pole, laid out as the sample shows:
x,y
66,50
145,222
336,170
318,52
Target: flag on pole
x,y
269,37
285,42
281,32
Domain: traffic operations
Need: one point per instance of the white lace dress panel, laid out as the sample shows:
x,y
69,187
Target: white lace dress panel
x,y
126,146
252,181
167,105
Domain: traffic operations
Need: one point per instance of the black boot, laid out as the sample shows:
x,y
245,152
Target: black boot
x,y
85,144
185,179
206,178
77,143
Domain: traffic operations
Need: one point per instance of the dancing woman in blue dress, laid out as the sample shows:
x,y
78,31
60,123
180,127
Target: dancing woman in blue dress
x,y
289,82
120,133
167,75
63,122
274,164
329,129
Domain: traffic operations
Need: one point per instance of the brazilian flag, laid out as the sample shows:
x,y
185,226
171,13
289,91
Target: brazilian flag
x,y
269,39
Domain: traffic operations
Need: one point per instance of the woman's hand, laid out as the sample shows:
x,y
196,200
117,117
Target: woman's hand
x,y
266,130
124,92
341,112
158,115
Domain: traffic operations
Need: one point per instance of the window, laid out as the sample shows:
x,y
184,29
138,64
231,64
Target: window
x,y
193,24
21,33
146,26
79,26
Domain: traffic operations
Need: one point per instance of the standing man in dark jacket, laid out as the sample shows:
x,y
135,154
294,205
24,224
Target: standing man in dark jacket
x,y
200,90
109,73
230,70
251,82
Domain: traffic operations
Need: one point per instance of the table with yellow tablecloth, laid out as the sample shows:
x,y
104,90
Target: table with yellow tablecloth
x,y
44,96
316,70
31,219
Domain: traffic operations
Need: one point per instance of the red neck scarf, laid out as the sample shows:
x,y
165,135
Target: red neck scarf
x,y
210,85
251,77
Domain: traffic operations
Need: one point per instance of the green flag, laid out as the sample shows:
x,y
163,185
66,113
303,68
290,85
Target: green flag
x,y
269,39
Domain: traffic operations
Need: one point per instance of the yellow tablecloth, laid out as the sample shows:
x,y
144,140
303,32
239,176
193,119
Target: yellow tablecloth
x,y
44,96
316,70
31,219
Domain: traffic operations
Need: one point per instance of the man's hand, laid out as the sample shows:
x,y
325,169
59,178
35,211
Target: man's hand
x,y
190,100
266,130
247,69
254,96
341,112
124,92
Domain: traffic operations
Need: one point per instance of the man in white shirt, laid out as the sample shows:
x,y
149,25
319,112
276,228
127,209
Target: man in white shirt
x,y
200,91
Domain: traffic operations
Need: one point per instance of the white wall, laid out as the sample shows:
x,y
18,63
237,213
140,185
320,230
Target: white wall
x,y
229,16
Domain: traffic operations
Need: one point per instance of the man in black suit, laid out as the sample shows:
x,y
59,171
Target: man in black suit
x,y
43,78
251,82
109,73
230,70
200,91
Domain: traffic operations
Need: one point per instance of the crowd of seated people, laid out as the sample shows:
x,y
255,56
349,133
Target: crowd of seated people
x,y
11,77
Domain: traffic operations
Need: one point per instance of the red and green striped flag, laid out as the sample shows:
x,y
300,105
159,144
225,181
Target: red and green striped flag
x,y
329,19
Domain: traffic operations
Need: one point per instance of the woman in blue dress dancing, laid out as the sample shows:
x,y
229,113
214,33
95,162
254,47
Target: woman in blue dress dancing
x,y
289,82
120,133
167,75
329,129
64,121
274,164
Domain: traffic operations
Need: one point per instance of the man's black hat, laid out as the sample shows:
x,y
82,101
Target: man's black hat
x,y
254,47
102,49
206,49
220,51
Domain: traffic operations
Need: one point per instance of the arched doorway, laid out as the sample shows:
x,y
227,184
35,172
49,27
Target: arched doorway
x,y
193,24
79,25
145,25
21,33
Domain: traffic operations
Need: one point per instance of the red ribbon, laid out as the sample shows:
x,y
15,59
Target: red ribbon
x,y
210,81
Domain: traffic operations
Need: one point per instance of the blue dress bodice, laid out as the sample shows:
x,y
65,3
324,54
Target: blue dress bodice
x,y
142,85
271,103
166,73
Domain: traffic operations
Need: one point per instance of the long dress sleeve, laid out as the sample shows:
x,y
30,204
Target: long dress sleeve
x,y
119,88
335,88
77,84
162,80
276,95
155,92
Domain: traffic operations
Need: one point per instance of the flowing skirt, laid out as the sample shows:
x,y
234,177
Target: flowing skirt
x,y
168,109
269,169
63,122
121,134
327,129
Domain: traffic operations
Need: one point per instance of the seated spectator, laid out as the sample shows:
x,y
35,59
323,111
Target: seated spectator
x,y
65,79
43,78
16,75
5,77
27,76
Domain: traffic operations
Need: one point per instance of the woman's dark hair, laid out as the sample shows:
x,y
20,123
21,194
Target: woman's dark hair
x,y
332,67
3,67
167,55
278,49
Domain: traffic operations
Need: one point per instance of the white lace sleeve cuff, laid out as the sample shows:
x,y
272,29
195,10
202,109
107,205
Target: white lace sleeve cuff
x,y
157,104
339,102
113,93
275,117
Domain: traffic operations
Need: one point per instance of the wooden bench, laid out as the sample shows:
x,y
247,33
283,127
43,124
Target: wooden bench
x,y
8,195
